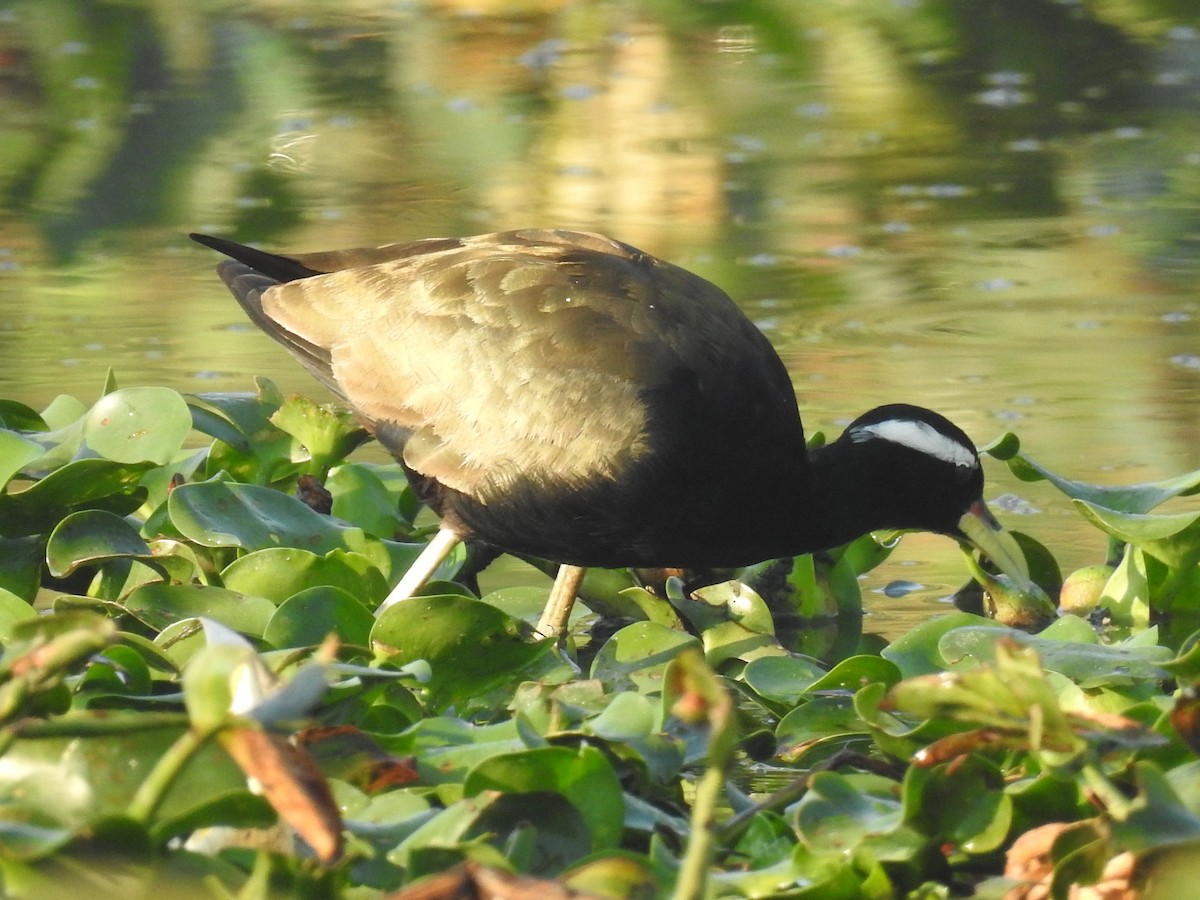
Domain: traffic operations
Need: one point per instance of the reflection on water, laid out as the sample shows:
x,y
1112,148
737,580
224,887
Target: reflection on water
x,y
989,208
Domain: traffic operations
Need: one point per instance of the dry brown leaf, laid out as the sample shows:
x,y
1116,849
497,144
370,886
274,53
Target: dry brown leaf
x,y
292,783
1029,861
473,881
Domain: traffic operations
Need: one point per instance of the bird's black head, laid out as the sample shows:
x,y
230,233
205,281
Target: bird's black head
x,y
910,468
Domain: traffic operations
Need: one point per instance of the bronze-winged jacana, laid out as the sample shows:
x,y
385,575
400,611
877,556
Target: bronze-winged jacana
x,y
567,396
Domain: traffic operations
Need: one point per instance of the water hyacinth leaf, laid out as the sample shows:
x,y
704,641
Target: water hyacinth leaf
x,y
813,599
822,718
916,652
1174,539
13,610
121,668
21,561
327,435
224,514
839,812
898,736
470,646
963,804
615,875
1126,593
209,418
62,412
140,424
1135,498
726,641
82,484
1155,818
103,771
16,416
310,616
249,412
855,672
16,452
181,640
160,605
521,602
638,603
638,655
90,537
740,604
1089,665
275,456
449,829
629,716
278,573
783,679
362,498
446,748
582,775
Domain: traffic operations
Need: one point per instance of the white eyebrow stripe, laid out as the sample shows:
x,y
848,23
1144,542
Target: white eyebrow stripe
x,y
919,436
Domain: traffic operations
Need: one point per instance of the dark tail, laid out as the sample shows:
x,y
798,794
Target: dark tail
x,y
277,268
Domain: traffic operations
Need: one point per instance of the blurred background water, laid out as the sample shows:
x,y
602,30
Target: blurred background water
x,y
988,207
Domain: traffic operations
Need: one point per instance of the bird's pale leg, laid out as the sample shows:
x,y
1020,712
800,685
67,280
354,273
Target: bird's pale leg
x,y
553,622
423,567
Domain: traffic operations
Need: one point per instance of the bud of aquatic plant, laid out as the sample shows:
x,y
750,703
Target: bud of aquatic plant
x,y
1083,588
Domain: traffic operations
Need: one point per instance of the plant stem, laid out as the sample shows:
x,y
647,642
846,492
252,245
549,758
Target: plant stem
x,y
693,872
154,788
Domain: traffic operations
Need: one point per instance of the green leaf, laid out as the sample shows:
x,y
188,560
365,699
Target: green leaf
x,y
328,436
311,615
82,484
854,672
63,412
1126,594
582,775
12,610
964,804
781,678
104,762
16,452
159,605
1135,498
278,573
21,562
141,424
15,416
1155,818
638,655
840,812
1174,539
90,537
471,646
916,652
1090,665
252,517
820,719
362,498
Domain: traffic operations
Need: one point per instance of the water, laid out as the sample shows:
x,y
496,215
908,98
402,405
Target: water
x,y
990,209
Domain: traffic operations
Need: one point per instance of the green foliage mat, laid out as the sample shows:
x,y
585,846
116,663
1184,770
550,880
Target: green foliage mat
x,y
196,696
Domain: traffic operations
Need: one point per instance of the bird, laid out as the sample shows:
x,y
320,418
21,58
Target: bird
x,y
564,395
